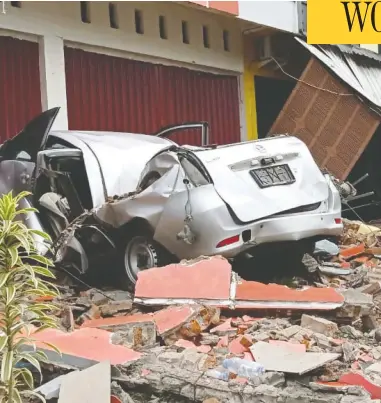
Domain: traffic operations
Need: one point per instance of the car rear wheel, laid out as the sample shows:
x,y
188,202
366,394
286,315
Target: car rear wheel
x,y
140,253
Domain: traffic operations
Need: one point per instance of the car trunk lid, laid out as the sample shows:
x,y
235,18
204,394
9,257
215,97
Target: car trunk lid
x,y
265,177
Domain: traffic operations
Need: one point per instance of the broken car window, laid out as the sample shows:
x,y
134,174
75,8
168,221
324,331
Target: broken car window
x,y
193,173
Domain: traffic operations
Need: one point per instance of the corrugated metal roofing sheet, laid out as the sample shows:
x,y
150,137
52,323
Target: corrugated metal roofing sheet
x,y
117,94
20,96
360,69
335,128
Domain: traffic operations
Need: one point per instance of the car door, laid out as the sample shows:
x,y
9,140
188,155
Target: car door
x,y
18,155
170,130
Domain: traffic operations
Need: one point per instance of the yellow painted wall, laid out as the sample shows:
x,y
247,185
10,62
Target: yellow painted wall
x,y
252,69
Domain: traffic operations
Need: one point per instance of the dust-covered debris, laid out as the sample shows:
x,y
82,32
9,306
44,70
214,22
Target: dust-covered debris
x,y
175,353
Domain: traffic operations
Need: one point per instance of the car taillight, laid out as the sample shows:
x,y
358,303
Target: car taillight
x,y
228,241
338,220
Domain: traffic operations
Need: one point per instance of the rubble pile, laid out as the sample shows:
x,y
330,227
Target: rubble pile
x,y
196,332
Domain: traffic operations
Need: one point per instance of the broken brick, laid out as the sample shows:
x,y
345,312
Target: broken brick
x,y
224,329
224,341
240,345
352,251
184,321
319,325
360,380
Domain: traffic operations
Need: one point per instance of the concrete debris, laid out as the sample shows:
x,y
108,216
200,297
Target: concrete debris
x,y
278,358
319,325
318,341
92,385
211,282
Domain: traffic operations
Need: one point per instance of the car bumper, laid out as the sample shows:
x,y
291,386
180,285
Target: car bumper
x,y
286,228
293,227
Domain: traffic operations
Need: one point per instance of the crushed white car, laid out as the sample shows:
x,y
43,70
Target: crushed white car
x,y
149,200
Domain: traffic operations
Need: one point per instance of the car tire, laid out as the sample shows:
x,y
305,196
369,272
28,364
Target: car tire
x,y
139,253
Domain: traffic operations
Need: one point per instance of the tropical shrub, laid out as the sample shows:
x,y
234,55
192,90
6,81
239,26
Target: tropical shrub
x,y
24,280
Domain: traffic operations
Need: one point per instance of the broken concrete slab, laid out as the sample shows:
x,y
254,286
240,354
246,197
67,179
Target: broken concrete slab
x,y
356,304
319,325
51,390
253,295
131,331
360,380
90,385
87,343
280,359
117,322
301,348
209,281
206,280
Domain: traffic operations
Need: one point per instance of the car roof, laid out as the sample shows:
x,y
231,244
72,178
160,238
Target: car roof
x,y
113,139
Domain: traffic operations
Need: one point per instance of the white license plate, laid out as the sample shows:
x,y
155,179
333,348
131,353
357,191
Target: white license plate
x,y
273,176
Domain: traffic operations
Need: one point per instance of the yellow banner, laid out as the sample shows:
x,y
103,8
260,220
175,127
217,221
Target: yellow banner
x,y
343,22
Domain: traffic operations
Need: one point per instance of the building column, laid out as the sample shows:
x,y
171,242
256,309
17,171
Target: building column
x,y
52,78
250,102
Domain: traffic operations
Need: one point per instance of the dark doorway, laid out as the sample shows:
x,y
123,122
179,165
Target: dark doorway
x,y
271,95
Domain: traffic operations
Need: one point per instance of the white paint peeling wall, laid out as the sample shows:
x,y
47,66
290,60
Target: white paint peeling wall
x,y
281,15
55,23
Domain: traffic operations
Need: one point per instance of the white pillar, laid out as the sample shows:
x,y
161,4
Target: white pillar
x,y
242,107
53,79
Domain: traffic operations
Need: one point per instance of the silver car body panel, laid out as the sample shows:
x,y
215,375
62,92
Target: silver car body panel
x,y
230,168
114,161
168,204
215,197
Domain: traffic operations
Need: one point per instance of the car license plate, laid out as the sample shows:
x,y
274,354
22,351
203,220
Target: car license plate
x,y
273,176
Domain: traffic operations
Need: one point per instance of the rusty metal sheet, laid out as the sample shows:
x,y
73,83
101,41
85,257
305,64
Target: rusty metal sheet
x,y
20,95
335,124
118,94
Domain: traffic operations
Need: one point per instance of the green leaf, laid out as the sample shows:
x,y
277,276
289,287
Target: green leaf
x,y
24,242
3,342
3,278
53,347
29,357
16,398
17,329
10,293
6,366
41,234
28,377
43,271
14,255
41,356
41,259
26,210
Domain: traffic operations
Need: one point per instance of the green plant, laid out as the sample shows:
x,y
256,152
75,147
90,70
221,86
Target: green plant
x,y
21,269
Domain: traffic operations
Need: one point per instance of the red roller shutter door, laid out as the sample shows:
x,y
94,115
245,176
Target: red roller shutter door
x,y
20,96
112,93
